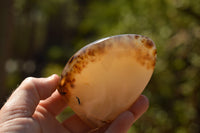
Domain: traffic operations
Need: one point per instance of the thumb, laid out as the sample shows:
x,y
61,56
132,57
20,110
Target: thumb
x,y
25,98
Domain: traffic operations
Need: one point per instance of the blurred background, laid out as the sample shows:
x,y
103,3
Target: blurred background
x,y
38,37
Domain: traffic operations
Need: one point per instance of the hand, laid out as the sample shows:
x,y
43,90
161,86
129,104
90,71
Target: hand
x,y
34,105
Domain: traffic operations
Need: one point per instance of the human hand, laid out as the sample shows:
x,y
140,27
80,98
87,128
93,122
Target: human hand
x,y
34,105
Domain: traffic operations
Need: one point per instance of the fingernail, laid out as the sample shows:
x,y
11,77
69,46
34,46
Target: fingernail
x,y
141,101
122,123
140,106
54,77
128,115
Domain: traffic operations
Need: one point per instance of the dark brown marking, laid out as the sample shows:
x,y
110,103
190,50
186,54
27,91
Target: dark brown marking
x,y
149,44
154,52
145,58
73,80
78,61
137,36
77,68
91,52
101,48
63,93
143,40
81,57
129,37
104,121
72,85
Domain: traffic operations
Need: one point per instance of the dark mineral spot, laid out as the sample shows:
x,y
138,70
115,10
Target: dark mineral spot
x,y
79,102
143,40
73,80
129,37
91,53
63,93
149,43
104,121
101,48
136,36
72,85
77,68
72,58
154,52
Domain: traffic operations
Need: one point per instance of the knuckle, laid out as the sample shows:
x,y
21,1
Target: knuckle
x,y
29,83
29,80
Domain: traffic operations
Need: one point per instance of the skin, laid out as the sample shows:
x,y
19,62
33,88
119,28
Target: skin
x,y
34,105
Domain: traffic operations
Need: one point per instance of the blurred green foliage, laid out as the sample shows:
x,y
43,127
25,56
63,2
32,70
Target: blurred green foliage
x,y
42,35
